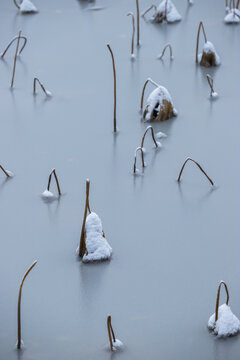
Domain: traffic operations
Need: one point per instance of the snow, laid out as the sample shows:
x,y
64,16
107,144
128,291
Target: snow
x,y
232,17
117,345
47,194
209,48
10,174
172,13
227,324
27,7
160,135
48,93
97,246
156,97
133,57
214,95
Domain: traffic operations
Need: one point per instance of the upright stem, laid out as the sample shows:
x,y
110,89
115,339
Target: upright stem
x,y
115,90
165,14
133,31
5,172
19,305
201,26
143,90
82,246
138,24
210,82
16,3
35,80
111,334
153,136
15,58
238,1
170,51
12,41
195,162
148,9
57,182
218,297
135,159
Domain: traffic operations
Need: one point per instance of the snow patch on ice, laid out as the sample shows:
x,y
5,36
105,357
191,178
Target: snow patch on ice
x,y
232,17
214,95
227,324
133,57
160,135
27,7
117,345
47,194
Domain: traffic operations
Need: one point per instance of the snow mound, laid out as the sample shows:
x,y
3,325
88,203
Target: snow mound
x,y
209,56
10,174
214,95
47,194
226,325
27,7
172,15
117,345
233,17
97,246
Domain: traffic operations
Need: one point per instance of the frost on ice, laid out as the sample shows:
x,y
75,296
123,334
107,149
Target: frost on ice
x,y
27,7
165,11
96,245
232,17
227,324
209,56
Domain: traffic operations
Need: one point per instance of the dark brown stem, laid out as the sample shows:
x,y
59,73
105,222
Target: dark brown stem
x,y
133,31
165,13
19,304
195,162
16,3
201,26
237,4
35,80
57,182
143,90
153,136
135,159
138,24
148,9
111,334
5,172
115,90
12,41
170,51
218,297
15,58
82,245
210,82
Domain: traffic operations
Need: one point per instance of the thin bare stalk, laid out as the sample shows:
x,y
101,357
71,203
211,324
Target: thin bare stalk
x,y
218,297
195,162
5,172
237,4
210,82
16,3
148,9
135,159
11,42
15,58
82,245
35,80
170,51
165,13
19,304
138,24
57,182
143,90
115,90
111,334
133,31
153,136
201,26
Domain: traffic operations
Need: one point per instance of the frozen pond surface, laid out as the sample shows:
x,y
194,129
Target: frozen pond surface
x,y
172,243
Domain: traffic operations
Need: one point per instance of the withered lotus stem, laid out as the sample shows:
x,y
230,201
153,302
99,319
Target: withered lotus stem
x,y
115,90
210,82
135,159
133,31
237,4
218,297
195,162
153,136
19,304
5,172
165,14
56,179
16,3
82,245
15,58
11,42
111,334
170,51
138,24
143,90
35,80
148,9
201,26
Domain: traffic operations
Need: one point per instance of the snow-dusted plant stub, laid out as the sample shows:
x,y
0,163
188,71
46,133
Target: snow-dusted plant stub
x,y
163,52
154,136
165,11
233,13
135,159
11,42
159,104
209,56
115,344
26,7
223,322
47,194
46,92
8,173
213,94
199,166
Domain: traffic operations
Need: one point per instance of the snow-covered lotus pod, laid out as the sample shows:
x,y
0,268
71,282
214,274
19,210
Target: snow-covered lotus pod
x,y
97,247
223,322
209,56
26,7
115,344
232,17
165,11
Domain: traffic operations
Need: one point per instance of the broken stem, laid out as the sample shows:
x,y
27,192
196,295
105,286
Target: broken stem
x,y
5,172
19,304
82,245
210,82
153,136
218,297
195,162
12,41
35,80
170,51
201,26
16,3
138,24
56,178
111,334
115,90
133,31
15,58
148,9
143,90
135,159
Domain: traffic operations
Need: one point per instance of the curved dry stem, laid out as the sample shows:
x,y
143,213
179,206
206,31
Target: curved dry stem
x,y
57,182
195,162
133,31
82,245
35,80
210,82
164,49
111,334
115,90
138,24
201,26
143,90
19,304
153,136
15,58
11,42
5,172
135,159
16,3
218,297
148,9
